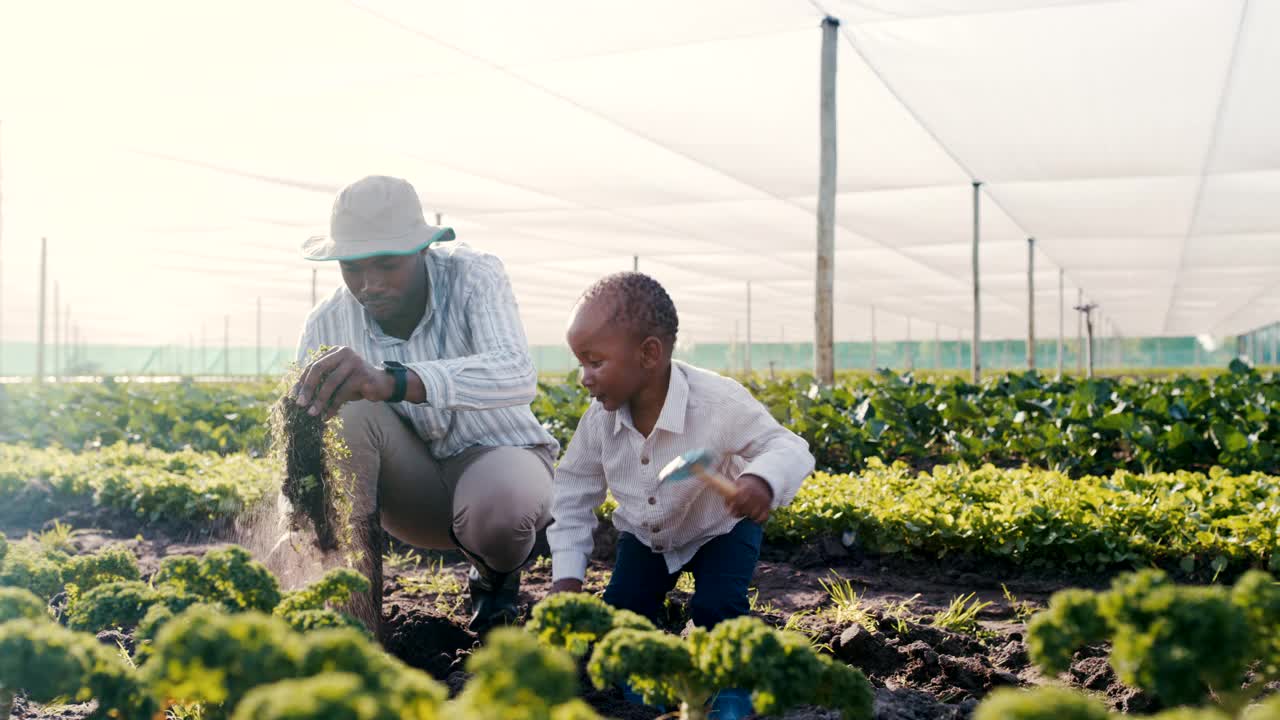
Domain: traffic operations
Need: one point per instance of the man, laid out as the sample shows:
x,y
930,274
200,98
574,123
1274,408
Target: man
x,y
429,370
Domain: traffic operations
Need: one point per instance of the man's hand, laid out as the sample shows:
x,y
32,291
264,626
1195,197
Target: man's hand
x,y
754,499
340,376
566,585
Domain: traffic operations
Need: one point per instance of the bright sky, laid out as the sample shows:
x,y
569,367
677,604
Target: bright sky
x,y
175,155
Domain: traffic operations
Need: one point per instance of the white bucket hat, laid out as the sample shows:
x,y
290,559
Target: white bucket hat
x,y
378,215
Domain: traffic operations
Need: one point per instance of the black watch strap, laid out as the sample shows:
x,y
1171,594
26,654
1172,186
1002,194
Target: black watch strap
x,y
401,375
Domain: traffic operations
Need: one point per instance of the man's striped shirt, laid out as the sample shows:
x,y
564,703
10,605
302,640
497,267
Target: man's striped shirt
x,y
469,349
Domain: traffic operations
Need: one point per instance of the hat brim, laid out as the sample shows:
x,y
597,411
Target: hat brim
x,y
324,247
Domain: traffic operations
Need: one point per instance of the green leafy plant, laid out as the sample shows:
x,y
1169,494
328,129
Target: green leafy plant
x,y
961,615
1184,644
846,605
781,669
47,661
576,621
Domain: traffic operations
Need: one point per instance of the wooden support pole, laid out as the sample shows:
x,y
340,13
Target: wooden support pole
x,y
1031,303
40,319
975,353
824,310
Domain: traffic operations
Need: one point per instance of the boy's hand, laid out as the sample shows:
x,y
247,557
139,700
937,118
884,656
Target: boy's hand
x,y
754,499
566,585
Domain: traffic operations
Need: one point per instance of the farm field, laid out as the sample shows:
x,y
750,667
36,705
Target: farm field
x,y
944,518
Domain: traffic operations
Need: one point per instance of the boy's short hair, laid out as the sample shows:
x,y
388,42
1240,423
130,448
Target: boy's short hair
x,y
638,301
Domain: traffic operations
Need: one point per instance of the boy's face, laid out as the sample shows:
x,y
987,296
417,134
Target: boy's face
x,y
616,363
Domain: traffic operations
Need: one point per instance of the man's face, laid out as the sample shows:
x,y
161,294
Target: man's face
x,y
384,285
613,364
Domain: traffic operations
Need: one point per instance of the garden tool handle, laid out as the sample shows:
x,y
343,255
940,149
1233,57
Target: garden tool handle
x,y
718,482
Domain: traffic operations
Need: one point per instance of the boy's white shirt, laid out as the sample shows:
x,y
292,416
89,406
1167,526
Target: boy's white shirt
x,y
607,453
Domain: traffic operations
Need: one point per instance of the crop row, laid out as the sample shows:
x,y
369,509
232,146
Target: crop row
x,y
1198,522
1078,426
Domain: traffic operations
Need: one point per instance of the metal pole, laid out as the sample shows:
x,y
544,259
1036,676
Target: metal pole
x,y
68,348
824,312
439,219
226,346
44,257
1088,321
257,335
910,351
314,273
635,263
1061,322
57,333
1079,332
1,254
975,352
1031,303
873,338
747,362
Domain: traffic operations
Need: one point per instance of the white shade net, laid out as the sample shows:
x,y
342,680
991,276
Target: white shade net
x,y
176,154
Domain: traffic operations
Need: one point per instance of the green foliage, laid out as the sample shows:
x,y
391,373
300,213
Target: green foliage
x,y
575,621
210,657
1181,643
207,417
1257,594
110,564
32,568
229,576
1071,621
115,604
335,588
20,604
1207,521
179,488
515,676
658,666
330,696
781,669
48,662
1074,425
1046,703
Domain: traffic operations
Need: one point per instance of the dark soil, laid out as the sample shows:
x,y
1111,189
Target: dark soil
x,y
919,670
307,480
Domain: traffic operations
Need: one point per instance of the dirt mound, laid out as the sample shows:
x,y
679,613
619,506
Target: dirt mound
x,y
431,643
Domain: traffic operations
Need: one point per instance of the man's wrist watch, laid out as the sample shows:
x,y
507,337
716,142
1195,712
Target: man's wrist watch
x,y
400,374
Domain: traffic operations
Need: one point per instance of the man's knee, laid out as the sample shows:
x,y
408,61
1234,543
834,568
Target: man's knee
x,y
362,420
501,504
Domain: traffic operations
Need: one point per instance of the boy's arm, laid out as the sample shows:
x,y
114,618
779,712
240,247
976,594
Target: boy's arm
x,y
772,453
578,489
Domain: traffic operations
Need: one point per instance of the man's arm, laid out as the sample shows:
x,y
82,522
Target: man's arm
x,y
578,489
500,373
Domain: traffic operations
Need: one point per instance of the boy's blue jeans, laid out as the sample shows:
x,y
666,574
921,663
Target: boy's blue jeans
x,y
722,570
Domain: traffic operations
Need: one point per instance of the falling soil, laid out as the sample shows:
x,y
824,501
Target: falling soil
x,y
299,438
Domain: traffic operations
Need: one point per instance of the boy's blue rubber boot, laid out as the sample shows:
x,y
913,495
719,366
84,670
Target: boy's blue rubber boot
x,y
731,704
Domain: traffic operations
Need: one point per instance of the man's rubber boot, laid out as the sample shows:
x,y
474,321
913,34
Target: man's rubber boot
x,y
494,598
731,704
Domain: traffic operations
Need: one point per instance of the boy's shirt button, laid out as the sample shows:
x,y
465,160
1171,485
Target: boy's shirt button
x,y
644,461
657,548
653,501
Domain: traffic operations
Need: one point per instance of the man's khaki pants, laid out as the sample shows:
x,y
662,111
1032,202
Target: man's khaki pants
x,y
491,501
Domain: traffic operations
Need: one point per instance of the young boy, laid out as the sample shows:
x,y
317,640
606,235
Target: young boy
x,y
648,410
